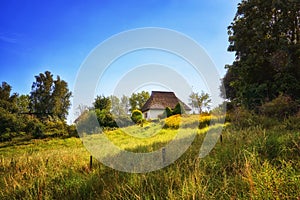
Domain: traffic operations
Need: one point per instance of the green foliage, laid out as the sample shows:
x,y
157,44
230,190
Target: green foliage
x,y
22,103
280,107
105,118
137,100
137,116
49,97
265,36
168,111
179,109
102,102
7,101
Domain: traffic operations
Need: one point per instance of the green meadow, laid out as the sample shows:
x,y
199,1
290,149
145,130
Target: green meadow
x,y
251,162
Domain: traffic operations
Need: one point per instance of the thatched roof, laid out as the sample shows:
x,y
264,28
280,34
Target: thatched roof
x,y
160,100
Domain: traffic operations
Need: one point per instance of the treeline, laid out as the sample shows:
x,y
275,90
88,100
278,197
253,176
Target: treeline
x,y
42,113
264,78
111,112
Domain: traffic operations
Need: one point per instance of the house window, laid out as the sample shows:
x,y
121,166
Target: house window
x,y
146,115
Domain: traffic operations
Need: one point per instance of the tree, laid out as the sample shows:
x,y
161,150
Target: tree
x,y
265,38
22,102
102,102
61,98
125,104
137,100
49,97
116,108
7,101
199,101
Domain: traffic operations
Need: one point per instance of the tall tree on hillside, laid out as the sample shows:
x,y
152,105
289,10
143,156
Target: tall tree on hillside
x,y
265,36
49,96
137,100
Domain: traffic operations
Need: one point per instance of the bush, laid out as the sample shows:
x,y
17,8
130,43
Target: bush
x,y
72,131
137,116
56,128
105,118
173,122
179,109
241,117
280,107
168,111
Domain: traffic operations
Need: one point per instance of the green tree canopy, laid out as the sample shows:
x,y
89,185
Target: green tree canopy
x,y
49,97
7,101
137,100
101,102
265,38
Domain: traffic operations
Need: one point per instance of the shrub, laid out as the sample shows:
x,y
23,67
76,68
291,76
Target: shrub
x,y
137,116
72,131
56,128
241,117
168,111
173,122
105,118
280,107
179,109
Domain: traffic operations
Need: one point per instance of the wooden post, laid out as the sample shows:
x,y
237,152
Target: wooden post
x,y
91,162
163,152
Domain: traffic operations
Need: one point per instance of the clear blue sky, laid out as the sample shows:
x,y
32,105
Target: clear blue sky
x,y
57,35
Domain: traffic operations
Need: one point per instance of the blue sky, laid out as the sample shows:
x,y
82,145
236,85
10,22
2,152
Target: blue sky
x,y
57,35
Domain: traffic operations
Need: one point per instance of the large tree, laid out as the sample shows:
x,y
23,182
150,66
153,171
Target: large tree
x,y
49,97
265,38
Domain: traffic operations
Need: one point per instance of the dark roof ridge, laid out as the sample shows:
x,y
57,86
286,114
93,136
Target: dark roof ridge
x,y
161,100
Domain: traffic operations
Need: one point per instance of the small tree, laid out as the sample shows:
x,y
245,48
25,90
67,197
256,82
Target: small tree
x,y
200,101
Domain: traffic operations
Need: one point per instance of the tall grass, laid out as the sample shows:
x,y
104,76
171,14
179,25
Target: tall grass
x,y
250,163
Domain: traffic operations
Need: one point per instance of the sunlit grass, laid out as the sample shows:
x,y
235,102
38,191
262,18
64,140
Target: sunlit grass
x,y
251,163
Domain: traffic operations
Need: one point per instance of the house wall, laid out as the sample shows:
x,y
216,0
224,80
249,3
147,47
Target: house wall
x,y
152,114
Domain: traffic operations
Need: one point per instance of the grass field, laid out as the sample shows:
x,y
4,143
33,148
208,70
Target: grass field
x,y
250,163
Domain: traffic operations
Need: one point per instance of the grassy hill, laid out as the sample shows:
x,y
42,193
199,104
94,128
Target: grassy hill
x,y
250,163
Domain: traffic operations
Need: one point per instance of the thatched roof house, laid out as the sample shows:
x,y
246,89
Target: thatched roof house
x,y
157,103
